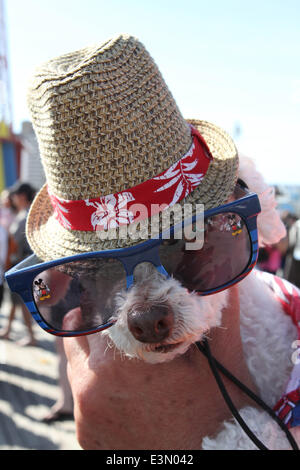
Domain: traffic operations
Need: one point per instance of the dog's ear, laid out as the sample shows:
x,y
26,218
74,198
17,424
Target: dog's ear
x,y
270,226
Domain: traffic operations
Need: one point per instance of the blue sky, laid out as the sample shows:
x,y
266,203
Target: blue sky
x,y
228,62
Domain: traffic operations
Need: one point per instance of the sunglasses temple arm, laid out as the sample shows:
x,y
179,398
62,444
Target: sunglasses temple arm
x,y
162,271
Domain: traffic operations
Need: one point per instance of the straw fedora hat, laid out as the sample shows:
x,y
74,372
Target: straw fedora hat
x,y
107,125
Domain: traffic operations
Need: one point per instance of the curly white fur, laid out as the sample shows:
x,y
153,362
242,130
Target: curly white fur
x,y
194,315
267,333
232,437
270,227
267,336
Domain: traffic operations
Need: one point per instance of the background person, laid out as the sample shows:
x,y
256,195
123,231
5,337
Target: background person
x,y
8,211
292,270
3,258
22,195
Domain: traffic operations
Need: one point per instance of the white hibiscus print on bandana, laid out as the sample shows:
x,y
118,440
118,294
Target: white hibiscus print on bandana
x,y
111,212
59,212
180,178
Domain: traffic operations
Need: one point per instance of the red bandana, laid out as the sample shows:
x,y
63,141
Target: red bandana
x,y
141,201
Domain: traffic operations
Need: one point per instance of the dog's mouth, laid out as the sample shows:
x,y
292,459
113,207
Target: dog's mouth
x,y
165,348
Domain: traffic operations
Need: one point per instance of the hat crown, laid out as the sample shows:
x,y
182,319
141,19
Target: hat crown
x,y
105,120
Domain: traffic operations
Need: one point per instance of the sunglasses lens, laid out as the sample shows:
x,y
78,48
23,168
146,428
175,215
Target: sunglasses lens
x,y
78,296
224,255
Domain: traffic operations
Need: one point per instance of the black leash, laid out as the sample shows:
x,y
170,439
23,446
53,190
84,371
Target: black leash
x,y
215,367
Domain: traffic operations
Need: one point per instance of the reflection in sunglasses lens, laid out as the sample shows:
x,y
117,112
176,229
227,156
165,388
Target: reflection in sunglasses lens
x,y
225,253
79,296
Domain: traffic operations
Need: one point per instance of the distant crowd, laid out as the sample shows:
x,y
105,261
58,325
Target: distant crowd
x,y
283,258
14,208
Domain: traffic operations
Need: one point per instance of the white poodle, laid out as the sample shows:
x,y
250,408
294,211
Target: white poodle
x,y
267,333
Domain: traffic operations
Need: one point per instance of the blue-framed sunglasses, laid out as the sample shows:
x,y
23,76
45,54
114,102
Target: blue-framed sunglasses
x,y
76,295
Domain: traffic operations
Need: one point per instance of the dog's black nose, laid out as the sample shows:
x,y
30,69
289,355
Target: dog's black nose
x,y
151,326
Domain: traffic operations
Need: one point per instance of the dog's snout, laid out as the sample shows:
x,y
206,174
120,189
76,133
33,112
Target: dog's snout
x,y
151,326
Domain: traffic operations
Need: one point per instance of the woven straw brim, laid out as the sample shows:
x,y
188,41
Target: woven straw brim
x,y
49,240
